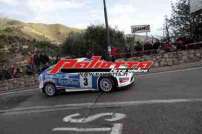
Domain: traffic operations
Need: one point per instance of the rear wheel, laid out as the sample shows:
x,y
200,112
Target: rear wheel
x,y
106,84
49,90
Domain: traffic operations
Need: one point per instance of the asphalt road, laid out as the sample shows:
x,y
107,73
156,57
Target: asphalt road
x,y
159,103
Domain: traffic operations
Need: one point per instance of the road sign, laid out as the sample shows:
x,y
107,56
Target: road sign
x,y
140,28
195,5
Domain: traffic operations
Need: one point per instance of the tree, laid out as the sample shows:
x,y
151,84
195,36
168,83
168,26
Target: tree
x,y
2,55
74,45
46,47
3,47
92,42
180,21
166,30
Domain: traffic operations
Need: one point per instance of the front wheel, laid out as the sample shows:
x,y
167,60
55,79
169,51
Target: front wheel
x,y
49,90
106,84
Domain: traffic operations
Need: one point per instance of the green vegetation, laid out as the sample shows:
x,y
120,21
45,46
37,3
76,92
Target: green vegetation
x,y
92,41
47,48
2,54
180,21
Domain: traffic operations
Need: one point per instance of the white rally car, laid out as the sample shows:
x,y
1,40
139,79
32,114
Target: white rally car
x,y
78,81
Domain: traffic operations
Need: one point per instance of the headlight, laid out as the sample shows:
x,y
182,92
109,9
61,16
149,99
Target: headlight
x,y
41,77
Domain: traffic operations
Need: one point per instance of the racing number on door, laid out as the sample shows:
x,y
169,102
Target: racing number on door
x,y
110,117
86,81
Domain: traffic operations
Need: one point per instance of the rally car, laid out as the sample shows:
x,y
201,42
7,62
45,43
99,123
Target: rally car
x,y
51,84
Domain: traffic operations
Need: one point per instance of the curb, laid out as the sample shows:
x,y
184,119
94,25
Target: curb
x,y
176,67
20,90
17,90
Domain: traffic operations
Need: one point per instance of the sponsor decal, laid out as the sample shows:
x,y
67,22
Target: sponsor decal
x,y
97,65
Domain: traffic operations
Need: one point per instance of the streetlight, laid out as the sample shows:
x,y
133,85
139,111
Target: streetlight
x,y
107,28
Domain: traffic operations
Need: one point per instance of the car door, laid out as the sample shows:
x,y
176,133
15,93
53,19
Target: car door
x,y
68,80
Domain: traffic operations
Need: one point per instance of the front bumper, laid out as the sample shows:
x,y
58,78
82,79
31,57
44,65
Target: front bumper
x,y
128,83
40,84
40,79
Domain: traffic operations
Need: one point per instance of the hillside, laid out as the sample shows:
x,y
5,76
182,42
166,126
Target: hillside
x,y
55,33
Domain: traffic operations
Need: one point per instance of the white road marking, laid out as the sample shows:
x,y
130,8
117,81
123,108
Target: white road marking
x,y
116,129
114,117
172,71
39,109
69,118
82,129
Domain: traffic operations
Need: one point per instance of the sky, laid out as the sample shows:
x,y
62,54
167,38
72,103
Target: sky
x,y
82,13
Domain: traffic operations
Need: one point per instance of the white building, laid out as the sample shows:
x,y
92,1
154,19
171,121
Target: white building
x,y
196,12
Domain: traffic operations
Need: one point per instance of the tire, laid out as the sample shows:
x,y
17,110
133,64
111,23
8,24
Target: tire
x,y
106,85
49,90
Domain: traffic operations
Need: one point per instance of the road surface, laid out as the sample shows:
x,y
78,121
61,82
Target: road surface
x,y
159,103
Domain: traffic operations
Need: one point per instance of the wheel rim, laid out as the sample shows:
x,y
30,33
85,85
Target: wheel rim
x,y
106,85
50,90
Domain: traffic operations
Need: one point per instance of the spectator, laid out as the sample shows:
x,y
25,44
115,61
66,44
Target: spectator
x,y
56,60
4,73
139,46
45,67
168,47
113,59
43,58
180,43
29,70
14,71
36,61
30,65
148,46
156,46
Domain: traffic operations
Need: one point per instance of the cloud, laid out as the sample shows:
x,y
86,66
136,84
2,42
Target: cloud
x,y
46,6
9,2
81,13
126,13
122,16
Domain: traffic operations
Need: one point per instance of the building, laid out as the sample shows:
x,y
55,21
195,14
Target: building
x,y
196,12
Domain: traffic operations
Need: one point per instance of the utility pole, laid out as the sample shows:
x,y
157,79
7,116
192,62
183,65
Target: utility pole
x,y
191,20
167,29
107,29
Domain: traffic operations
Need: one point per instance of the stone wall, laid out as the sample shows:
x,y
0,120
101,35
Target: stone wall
x,y
176,58
160,60
19,83
171,58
